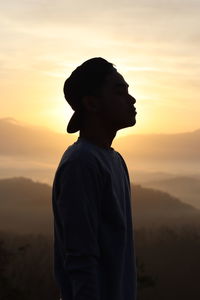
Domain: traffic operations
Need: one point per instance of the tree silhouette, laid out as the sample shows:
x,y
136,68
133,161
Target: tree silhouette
x,y
8,291
144,280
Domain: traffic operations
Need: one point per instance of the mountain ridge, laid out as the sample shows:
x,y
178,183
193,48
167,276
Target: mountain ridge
x,y
23,139
26,207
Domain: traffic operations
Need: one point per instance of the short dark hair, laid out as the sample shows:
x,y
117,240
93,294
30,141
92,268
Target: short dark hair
x,y
87,79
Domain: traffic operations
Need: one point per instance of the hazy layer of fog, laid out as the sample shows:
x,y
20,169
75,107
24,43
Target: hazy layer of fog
x,y
35,153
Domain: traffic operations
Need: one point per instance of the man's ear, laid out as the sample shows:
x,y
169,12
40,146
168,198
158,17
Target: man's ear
x,y
90,103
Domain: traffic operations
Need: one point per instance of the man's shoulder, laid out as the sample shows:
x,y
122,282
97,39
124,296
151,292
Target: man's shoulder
x,y
85,155
121,158
81,159
78,153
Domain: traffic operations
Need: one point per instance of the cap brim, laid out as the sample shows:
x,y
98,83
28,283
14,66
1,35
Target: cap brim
x,y
74,123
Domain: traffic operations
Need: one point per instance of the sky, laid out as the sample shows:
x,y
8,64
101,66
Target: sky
x,y
154,44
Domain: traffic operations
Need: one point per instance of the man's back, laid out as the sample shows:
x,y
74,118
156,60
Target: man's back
x,y
93,238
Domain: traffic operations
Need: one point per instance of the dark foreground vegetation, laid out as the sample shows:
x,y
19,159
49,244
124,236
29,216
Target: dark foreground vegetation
x,y
167,239
168,264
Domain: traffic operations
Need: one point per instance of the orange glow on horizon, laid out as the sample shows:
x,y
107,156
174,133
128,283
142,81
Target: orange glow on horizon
x,y
41,49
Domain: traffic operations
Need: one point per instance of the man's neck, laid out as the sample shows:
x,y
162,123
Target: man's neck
x,y
98,138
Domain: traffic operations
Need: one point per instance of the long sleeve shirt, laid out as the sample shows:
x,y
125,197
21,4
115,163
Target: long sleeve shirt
x,y
94,255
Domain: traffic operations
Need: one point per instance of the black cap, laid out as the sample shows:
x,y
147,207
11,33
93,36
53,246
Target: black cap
x,y
85,80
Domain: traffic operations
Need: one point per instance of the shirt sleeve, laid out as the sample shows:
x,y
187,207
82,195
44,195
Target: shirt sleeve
x,y
79,208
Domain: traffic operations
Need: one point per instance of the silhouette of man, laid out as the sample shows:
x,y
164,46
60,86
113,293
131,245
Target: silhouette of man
x,y
94,255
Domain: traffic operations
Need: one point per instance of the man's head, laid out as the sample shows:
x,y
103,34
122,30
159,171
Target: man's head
x,y
96,90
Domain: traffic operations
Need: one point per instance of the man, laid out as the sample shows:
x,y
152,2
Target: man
x,y
94,256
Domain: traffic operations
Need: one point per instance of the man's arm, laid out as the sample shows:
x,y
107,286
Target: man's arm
x,y
78,206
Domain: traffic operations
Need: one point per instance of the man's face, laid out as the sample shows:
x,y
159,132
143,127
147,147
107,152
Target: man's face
x,y
117,106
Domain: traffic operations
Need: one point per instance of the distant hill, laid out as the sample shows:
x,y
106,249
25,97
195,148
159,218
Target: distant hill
x,y
31,142
25,207
34,151
185,188
169,153
158,146
154,208
30,151
20,139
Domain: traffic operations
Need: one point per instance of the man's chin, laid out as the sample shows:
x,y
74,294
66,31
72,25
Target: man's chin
x,y
130,124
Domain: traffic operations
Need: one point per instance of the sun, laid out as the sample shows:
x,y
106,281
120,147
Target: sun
x,y
56,117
